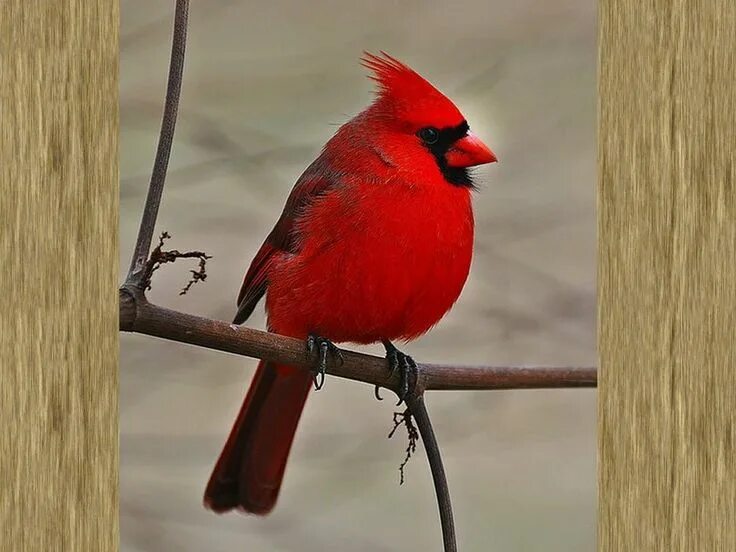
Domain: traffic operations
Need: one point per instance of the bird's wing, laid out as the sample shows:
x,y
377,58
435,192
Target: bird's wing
x,y
313,183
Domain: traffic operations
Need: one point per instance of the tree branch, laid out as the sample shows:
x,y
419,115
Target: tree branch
x,y
140,316
419,411
166,138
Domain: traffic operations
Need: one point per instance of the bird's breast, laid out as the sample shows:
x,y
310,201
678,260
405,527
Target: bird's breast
x,y
374,263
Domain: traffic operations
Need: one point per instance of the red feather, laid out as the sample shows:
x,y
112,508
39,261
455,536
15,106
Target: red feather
x,y
251,466
406,95
316,180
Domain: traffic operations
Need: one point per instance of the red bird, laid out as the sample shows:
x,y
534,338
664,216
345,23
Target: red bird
x,y
374,244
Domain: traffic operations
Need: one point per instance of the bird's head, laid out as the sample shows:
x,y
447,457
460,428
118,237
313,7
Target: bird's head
x,y
417,127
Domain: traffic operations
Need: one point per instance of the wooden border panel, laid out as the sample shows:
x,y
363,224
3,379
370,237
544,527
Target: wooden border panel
x,y
59,235
667,275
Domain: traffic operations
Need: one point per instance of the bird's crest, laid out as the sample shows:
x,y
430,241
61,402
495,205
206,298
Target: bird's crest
x,y
405,90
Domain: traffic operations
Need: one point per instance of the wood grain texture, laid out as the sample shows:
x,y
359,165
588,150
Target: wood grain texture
x,y
59,229
667,275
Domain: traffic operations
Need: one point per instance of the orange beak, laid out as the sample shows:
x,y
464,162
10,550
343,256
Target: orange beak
x,y
469,151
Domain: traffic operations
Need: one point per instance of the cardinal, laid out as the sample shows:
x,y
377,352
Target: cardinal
x,y
374,245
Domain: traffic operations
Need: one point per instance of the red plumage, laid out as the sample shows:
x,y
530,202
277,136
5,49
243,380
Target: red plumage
x,y
374,243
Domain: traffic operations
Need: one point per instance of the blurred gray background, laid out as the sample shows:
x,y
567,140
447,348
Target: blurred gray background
x,y
265,84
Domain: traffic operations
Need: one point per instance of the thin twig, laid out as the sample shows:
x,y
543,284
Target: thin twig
x,y
419,411
159,257
404,418
166,137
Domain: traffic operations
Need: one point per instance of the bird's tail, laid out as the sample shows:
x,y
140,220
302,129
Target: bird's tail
x,y
251,466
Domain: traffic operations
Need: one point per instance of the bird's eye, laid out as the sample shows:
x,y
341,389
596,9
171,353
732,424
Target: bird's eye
x,y
429,135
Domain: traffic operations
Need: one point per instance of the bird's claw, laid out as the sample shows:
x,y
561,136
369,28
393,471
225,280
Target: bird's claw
x,y
406,366
325,347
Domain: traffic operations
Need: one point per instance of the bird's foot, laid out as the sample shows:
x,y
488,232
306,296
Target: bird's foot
x,y
404,364
323,347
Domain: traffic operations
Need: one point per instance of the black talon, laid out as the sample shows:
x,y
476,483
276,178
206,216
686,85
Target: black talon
x,y
310,346
399,361
377,393
325,347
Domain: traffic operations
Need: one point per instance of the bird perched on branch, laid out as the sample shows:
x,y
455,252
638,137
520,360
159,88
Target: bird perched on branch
x,y
374,245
